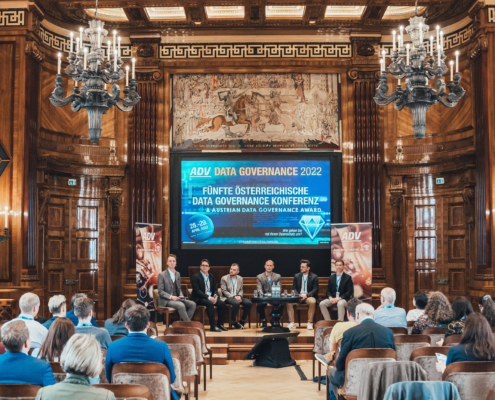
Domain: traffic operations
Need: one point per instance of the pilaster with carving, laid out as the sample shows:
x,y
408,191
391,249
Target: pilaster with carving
x,y
115,199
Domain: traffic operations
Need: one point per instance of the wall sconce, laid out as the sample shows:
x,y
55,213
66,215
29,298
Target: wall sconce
x,y
4,238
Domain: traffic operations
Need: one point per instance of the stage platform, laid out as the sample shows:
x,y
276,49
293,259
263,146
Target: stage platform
x,y
236,343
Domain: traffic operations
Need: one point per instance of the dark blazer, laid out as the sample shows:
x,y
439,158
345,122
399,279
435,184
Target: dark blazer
x,y
312,284
346,287
459,353
49,323
199,290
137,347
21,368
70,314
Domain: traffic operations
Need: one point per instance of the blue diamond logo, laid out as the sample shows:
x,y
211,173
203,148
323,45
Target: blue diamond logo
x,y
312,224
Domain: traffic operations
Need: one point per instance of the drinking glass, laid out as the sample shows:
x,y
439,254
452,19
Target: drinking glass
x,y
255,293
285,293
293,293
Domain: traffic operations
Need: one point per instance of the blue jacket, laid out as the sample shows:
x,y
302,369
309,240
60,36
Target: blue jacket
x,y
116,329
459,353
49,323
422,391
70,314
22,368
137,347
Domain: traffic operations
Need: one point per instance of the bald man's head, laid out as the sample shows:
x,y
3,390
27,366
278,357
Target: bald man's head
x,y
388,296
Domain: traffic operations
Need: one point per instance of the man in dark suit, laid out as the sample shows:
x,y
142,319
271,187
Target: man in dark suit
x,y
366,335
138,347
16,366
305,285
340,290
205,293
170,292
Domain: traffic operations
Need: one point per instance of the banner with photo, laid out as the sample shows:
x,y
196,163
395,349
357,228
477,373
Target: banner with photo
x,y
352,243
148,261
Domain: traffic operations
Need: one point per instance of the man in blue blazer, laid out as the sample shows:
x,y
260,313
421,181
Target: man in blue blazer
x,y
366,335
70,314
138,347
16,366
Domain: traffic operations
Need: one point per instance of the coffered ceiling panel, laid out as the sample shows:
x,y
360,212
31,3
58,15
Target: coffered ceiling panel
x,y
166,13
227,12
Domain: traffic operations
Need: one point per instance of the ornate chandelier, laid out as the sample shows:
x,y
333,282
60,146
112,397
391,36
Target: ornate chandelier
x,y
93,95
409,62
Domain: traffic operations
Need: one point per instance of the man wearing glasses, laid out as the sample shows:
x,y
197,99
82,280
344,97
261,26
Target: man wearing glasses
x,y
205,293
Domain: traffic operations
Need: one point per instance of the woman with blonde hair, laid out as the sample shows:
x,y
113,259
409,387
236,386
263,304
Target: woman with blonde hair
x,y
81,360
116,324
438,313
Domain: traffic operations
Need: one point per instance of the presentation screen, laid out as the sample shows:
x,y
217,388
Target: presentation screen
x,y
255,204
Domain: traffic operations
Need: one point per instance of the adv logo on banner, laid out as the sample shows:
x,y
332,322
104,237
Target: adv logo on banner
x,y
148,261
352,243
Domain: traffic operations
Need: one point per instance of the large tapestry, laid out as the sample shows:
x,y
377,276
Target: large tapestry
x,y
256,111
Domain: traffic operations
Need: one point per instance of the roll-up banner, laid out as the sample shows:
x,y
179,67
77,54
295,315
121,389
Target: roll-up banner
x,y
352,243
148,261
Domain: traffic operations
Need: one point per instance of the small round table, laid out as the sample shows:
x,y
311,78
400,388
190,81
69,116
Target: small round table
x,y
276,314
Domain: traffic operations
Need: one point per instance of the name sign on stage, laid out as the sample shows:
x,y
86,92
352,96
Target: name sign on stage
x,y
353,244
148,261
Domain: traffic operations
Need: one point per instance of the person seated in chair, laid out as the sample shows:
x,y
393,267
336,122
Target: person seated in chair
x,y
83,309
205,293
58,307
420,300
232,289
366,335
340,290
306,285
170,293
116,324
264,284
388,314
16,366
138,347
72,316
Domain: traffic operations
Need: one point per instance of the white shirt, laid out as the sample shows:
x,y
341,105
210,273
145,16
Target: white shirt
x,y
37,332
413,315
172,275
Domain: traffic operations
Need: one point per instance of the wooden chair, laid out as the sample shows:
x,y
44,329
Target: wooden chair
x,y
493,329
152,327
473,379
406,344
398,330
123,391
185,345
325,349
320,327
166,311
155,376
354,364
116,337
491,394
15,391
452,340
58,372
435,334
427,359
100,323
178,386
410,325
201,328
199,346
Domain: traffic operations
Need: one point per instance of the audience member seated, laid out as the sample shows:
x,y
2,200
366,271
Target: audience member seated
x,y
419,301
58,335
83,308
29,303
438,313
338,331
477,343
58,307
116,324
40,320
137,346
487,309
340,290
366,335
462,308
70,314
388,314
81,360
16,366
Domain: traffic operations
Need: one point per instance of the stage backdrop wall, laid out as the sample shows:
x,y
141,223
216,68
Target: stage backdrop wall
x,y
251,261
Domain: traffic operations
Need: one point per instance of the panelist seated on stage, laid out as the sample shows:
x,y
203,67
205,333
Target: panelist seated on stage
x,y
170,293
340,290
264,284
305,285
233,291
205,293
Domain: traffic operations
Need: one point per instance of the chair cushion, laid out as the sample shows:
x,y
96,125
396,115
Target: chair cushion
x,y
178,384
404,350
198,347
354,373
472,385
429,364
319,339
187,356
435,337
158,384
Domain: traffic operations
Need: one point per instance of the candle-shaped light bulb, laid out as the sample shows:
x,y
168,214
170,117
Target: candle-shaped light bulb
x,y
77,45
451,70
407,54
85,57
398,82
109,44
80,36
6,217
438,40
383,55
119,45
457,61
71,41
431,46
381,66
420,33
401,29
115,61
98,38
133,68
441,41
105,86
114,41
127,75
393,41
59,63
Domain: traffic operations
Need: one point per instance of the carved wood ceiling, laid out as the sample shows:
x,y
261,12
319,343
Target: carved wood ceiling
x,y
253,16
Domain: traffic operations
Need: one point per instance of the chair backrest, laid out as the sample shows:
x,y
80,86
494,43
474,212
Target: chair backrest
x,y
194,333
186,346
193,324
177,385
318,332
356,361
491,394
435,334
116,337
326,340
426,357
410,325
127,392
18,391
473,379
155,297
493,329
398,330
406,344
58,372
152,330
452,340
155,376
416,390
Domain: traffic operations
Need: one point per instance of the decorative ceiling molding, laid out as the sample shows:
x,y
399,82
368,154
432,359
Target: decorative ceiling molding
x,y
344,11
12,18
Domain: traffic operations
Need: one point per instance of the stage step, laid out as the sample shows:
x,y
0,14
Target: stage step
x,y
220,353
297,351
